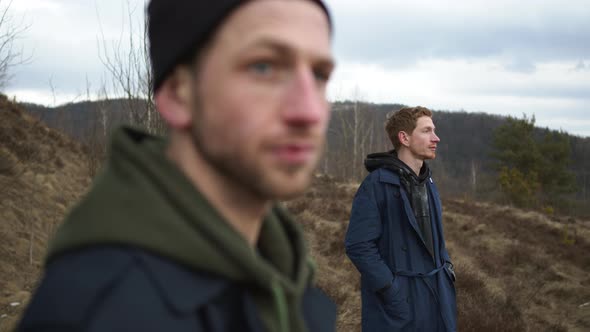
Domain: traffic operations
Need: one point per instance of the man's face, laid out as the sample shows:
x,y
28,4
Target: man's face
x,y
261,112
423,140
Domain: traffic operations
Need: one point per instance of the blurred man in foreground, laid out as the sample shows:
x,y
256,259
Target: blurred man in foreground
x,y
395,236
182,234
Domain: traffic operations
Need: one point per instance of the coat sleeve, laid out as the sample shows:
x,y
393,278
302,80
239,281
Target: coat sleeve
x,y
104,289
70,287
438,204
364,230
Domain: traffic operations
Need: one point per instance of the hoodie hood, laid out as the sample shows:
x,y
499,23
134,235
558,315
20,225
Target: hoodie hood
x,y
389,160
142,199
415,186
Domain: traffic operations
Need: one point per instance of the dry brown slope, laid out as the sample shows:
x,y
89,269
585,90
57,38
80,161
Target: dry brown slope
x,y
42,172
517,270
538,265
324,211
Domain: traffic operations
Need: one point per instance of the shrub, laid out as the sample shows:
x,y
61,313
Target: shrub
x,y
7,162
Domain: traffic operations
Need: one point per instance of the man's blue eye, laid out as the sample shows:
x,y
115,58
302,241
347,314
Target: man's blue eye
x,y
261,67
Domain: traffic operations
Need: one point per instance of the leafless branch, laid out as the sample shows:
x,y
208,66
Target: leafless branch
x,y
10,32
126,60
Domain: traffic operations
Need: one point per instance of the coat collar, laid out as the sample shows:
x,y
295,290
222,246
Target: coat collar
x,y
388,176
182,289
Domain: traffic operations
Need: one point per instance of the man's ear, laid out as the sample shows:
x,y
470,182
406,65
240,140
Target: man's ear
x,y
174,99
403,138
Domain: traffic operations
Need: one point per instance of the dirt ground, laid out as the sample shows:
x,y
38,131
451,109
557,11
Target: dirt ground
x,y
517,270
42,173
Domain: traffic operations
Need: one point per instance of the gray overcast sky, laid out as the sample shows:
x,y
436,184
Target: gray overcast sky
x,y
501,57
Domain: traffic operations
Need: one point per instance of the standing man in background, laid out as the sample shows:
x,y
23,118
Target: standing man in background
x,y
183,234
395,236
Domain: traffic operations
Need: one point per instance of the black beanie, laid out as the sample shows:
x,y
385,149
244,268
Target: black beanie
x,y
178,28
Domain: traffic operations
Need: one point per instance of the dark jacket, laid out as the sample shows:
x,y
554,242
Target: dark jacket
x,y
143,202
403,286
122,289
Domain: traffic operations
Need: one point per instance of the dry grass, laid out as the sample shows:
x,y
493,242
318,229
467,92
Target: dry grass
x,y
324,212
524,253
481,309
515,271
8,162
41,175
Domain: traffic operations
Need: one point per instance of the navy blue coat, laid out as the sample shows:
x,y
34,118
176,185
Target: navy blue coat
x,y
402,287
122,289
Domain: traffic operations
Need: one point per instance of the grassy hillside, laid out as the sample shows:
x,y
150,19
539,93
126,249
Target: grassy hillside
x,y
517,270
356,129
42,172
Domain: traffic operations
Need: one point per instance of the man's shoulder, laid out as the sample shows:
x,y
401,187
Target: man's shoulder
x,y
78,284
127,289
382,175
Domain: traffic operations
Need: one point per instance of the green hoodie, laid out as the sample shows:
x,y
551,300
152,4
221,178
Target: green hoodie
x,y
142,199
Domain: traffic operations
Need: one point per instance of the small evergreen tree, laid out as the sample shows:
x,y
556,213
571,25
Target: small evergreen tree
x,y
532,169
518,160
554,175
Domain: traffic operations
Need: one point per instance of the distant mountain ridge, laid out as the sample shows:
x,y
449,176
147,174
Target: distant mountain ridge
x,y
517,270
463,164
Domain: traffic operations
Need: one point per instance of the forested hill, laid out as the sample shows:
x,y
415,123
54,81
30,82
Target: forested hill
x,y
464,163
524,269
81,119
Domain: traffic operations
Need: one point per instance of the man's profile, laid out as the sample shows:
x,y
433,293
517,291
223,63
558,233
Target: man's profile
x,y
182,233
395,236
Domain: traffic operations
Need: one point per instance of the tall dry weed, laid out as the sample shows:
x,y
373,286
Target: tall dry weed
x,y
7,162
481,310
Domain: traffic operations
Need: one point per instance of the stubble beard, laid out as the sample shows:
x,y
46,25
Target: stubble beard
x,y
423,155
238,168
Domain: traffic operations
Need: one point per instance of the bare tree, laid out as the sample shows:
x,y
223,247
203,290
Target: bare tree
x,y
127,62
10,32
96,137
358,128
474,171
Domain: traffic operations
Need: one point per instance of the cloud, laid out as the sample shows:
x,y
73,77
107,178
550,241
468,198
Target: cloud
x,y
580,66
476,85
396,33
521,66
485,77
63,38
28,5
566,123
502,56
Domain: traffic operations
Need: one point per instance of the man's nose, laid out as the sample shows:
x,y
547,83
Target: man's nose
x,y
435,138
305,100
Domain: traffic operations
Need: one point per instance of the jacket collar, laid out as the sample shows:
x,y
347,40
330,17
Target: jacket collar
x,y
182,289
391,177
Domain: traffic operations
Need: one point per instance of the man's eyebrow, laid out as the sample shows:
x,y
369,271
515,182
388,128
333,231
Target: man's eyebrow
x,y
284,49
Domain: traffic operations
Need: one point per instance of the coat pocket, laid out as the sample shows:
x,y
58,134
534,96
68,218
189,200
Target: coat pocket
x,y
394,304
